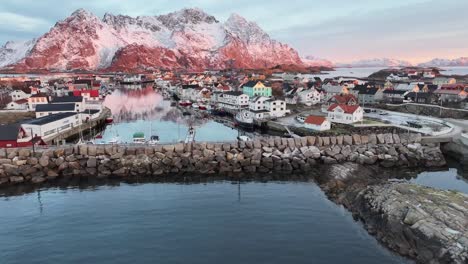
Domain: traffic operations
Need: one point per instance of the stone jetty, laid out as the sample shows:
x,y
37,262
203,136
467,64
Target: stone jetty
x,y
264,155
425,224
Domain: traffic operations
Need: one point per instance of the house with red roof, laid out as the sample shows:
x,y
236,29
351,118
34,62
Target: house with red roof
x,y
21,104
317,123
345,114
344,99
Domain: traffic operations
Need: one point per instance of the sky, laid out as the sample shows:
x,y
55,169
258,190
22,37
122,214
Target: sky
x,y
338,30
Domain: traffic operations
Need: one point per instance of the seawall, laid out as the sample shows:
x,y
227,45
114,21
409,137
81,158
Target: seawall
x,y
241,158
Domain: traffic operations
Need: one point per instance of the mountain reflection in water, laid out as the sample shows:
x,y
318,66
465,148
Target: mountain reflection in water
x,y
145,110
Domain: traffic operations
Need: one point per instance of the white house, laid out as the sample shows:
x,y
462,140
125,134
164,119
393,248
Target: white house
x,y
19,95
309,97
345,114
21,104
317,123
276,108
51,125
233,100
258,103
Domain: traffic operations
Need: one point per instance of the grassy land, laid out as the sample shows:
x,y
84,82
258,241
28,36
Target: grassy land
x,y
15,117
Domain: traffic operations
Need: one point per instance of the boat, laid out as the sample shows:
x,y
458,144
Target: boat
x,y
244,119
139,138
154,140
185,103
301,119
190,135
109,120
195,106
244,138
114,140
202,107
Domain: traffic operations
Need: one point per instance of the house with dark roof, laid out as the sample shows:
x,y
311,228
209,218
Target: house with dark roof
x,y
370,96
50,109
421,97
394,96
51,125
37,99
77,100
10,134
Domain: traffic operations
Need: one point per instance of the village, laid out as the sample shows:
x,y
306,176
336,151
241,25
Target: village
x,y
61,109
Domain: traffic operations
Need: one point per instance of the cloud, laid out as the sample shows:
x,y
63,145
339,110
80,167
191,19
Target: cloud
x,y
16,22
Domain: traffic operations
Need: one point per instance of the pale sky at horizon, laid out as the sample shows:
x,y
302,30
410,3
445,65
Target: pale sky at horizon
x,y
338,30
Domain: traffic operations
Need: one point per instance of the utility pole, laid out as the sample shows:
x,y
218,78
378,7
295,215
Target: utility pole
x,y
32,141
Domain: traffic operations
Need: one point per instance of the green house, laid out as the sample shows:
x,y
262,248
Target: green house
x,y
256,88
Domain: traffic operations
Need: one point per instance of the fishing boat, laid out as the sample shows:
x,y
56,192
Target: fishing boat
x,y
190,135
154,140
109,120
139,138
202,107
244,119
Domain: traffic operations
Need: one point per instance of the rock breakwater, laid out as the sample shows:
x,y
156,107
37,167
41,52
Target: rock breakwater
x,y
259,156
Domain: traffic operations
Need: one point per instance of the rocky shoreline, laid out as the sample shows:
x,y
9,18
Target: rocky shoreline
x,y
425,224
260,156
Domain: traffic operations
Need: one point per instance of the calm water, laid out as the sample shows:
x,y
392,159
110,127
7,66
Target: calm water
x,y
174,223
144,110
451,179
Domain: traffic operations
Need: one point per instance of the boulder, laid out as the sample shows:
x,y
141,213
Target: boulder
x,y
311,141
356,139
347,140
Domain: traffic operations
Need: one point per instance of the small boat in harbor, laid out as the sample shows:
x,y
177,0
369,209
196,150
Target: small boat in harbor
x,y
109,120
195,106
154,140
190,135
139,138
202,107
244,119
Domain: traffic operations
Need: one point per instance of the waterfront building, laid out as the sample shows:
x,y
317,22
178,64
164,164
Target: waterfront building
x,y
276,108
51,125
233,100
256,88
317,123
11,135
394,96
345,114
77,100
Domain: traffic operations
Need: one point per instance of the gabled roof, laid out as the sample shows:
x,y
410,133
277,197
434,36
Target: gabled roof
x,y
39,95
349,109
55,107
250,84
370,91
21,101
344,98
315,120
9,132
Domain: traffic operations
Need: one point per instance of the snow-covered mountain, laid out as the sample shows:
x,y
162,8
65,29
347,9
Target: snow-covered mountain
x,y
316,62
384,62
463,61
187,39
13,51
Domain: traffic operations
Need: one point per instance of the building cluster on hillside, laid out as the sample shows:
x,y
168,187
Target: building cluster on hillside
x,y
59,105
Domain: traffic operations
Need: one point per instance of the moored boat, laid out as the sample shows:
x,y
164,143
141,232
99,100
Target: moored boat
x,y
244,119
139,138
